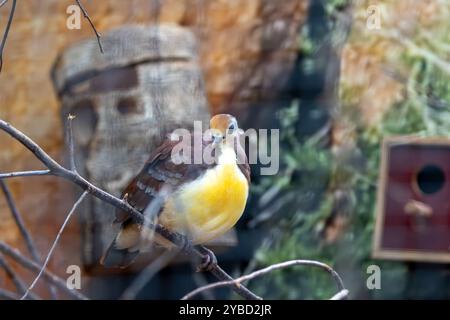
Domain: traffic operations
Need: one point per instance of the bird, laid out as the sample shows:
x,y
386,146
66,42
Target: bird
x,y
201,200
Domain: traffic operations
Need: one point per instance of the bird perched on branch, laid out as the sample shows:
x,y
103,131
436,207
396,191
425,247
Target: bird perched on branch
x,y
196,186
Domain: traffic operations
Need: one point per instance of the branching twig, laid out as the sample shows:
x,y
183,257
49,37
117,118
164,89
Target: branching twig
x,y
147,274
57,170
32,266
225,279
92,25
24,174
15,279
19,221
5,34
12,275
23,230
71,174
261,272
8,295
49,255
200,281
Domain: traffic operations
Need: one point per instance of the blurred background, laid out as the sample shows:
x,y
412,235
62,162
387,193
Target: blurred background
x,y
335,76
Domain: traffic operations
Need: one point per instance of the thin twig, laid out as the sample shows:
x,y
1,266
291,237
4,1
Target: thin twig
x,y
200,281
149,271
341,295
261,272
92,25
147,274
19,221
70,142
5,35
24,174
34,267
58,170
226,280
8,295
49,255
15,278
23,230
3,3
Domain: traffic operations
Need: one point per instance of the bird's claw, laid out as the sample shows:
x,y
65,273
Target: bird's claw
x,y
209,260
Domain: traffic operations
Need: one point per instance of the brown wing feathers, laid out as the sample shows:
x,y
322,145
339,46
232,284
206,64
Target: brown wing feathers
x,y
147,184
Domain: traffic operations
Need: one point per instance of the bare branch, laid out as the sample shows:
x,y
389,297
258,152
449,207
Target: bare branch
x,y
17,217
12,275
23,230
43,157
5,34
33,266
92,25
261,272
147,274
16,280
70,143
24,174
58,170
341,295
200,281
179,240
49,255
8,295
19,221
220,274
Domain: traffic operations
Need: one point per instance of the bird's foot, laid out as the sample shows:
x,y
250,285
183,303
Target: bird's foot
x,y
209,260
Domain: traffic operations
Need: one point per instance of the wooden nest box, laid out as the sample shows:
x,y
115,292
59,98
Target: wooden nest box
x,y
413,208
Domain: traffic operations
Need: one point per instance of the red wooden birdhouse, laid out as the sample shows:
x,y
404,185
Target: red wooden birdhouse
x,y
413,207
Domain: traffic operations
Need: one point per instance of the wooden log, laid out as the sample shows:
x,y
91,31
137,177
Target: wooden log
x,y
146,84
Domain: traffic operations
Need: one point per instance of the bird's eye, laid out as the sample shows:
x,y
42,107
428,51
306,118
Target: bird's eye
x,y
232,127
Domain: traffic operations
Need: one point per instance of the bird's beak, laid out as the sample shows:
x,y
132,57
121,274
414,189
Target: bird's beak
x,y
217,137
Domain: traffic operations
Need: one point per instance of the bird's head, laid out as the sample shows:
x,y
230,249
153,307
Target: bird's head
x,y
223,127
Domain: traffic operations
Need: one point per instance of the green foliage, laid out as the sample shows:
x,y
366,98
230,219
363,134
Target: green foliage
x,y
333,5
311,174
294,235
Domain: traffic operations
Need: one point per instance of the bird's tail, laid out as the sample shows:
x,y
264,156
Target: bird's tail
x,y
124,248
129,242
118,258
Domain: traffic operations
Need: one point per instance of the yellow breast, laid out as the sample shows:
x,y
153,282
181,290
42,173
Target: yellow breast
x,y
211,205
